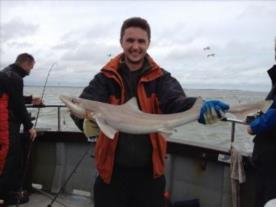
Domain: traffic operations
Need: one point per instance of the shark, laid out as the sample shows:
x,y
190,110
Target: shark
x,y
129,118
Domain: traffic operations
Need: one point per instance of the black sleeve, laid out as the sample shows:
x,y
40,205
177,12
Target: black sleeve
x,y
172,98
18,103
96,91
28,99
3,83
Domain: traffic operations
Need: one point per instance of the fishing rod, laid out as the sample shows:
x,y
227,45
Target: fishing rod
x,y
43,92
21,193
237,121
69,177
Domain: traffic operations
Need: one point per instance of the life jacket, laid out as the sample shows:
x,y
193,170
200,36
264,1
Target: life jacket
x,y
148,101
4,121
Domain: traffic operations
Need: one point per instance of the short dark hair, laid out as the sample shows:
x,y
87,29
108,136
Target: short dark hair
x,y
24,57
135,22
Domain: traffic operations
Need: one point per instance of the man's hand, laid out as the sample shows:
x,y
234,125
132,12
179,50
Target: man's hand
x,y
36,101
249,130
90,128
212,111
33,134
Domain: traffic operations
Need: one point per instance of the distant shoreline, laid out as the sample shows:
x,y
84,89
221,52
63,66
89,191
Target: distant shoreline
x,y
185,88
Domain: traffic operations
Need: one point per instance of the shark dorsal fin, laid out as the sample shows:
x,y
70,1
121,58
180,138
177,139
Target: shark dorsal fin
x,y
132,105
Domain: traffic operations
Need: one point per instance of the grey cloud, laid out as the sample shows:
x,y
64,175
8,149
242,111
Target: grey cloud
x,y
95,32
17,44
263,11
102,31
16,28
66,45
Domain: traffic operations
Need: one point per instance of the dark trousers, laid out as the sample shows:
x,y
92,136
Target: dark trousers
x,y
130,188
264,157
11,178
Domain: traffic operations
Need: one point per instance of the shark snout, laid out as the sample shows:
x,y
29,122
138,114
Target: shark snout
x,y
74,106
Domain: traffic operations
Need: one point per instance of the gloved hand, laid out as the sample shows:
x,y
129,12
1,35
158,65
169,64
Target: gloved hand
x,y
90,129
264,122
212,111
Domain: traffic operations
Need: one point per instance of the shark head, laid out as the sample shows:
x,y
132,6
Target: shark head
x,y
74,106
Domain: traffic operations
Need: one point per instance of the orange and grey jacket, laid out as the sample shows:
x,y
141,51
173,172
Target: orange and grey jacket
x,y
157,92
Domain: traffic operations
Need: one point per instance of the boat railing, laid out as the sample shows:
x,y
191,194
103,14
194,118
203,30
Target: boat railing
x,y
52,119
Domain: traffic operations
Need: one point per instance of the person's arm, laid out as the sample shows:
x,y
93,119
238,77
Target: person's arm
x,y
28,99
36,101
172,99
171,96
18,103
264,122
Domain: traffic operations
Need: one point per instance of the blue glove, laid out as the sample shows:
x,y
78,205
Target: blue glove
x,y
264,122
212,111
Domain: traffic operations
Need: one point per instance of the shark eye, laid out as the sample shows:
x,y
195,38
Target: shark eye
x,y
74,100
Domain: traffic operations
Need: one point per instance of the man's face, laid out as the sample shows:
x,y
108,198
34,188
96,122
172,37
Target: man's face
x,y
135,43
28,66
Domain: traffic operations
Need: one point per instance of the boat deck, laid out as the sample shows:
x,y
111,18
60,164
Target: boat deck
x,y
44,199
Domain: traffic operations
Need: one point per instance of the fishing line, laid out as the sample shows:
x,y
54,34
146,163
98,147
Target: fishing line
x,y
43,92
48,195
69,177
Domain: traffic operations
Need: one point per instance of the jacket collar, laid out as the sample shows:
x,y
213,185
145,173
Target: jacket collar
x,y
20,71
152,73
272,74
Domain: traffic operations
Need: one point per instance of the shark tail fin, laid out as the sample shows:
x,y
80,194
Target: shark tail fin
x,y
243,110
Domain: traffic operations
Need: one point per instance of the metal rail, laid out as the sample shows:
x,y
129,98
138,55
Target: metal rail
x,y
51,106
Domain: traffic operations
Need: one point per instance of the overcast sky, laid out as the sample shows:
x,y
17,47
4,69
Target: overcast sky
x,y
81,36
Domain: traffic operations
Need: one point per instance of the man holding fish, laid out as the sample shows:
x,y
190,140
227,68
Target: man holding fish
x,y
131,166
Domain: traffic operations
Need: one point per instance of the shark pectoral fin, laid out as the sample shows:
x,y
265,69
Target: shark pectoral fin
x,y
166,132
105,128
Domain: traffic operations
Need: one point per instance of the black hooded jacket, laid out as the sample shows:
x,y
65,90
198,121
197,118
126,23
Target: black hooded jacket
x,y
267,139
17,110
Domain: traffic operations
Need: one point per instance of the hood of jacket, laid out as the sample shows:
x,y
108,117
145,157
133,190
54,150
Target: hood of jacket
x,y
154,71
17,69
272,74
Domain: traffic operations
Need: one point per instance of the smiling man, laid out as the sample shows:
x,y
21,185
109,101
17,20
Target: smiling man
x,y
131,167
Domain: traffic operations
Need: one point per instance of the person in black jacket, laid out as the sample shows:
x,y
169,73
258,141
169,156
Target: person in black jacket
x,y
264,152
14,113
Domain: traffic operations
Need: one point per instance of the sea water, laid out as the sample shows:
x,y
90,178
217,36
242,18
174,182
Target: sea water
x,y
216,136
